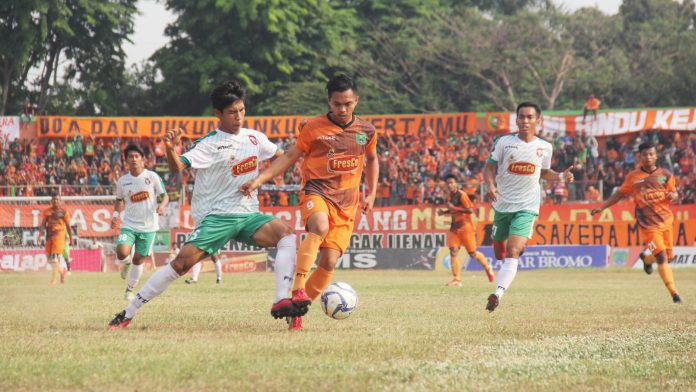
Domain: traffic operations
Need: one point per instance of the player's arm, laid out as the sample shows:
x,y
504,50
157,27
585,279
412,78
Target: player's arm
x,y
279,165
371,177
672,194
613,199
550,175
44,226
489,171
161,190
171,140
162,207
118,209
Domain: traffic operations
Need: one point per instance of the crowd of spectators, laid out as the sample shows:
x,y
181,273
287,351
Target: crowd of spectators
x,y
412,168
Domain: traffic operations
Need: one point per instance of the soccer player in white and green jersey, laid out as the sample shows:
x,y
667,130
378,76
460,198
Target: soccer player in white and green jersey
x,y
520,160
138,190
224,159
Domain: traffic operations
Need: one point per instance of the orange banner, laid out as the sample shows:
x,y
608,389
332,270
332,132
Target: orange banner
x,y
273,127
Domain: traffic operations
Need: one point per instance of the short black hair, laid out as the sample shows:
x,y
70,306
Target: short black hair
x,y
134,147
536,107
452,176
339,84
226,94
646,146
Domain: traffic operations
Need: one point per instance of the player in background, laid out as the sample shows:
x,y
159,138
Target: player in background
x,y
462,231
224,159
196,270
138,190
55,222
335,146
512,175
66,247
653,189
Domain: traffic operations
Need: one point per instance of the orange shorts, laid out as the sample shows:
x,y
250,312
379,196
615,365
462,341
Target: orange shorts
x,y
658,240
462,237
55,245
340,224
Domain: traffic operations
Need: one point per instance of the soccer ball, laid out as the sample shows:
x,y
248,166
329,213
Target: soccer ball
x,y
339,300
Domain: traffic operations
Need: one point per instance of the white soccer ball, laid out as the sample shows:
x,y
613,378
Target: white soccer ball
x,y
339,300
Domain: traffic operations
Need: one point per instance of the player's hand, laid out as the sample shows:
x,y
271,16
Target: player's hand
x,y
567,175
114,223
492,193
161,210
247,188
442,212
302,124
172,138
673,197
368,204
596,210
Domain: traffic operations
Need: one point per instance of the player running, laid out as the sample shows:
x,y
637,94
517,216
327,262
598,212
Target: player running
x,y
224,159
335,146
520,160
138,190
56,221
462,231
653,189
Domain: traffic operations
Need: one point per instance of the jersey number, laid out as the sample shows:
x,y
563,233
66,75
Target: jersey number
x,y
193,235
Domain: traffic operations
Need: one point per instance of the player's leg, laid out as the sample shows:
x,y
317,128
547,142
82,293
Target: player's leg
x,y
315,214
124,246
276,233
143,248
469,242
213,233
663,255
195,272
218,267
454,244
647,255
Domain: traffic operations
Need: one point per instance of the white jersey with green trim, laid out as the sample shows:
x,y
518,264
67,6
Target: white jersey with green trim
x,y
519,171
140,196
224,162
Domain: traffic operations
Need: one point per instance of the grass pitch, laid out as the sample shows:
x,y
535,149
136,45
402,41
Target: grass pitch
x,y
555,330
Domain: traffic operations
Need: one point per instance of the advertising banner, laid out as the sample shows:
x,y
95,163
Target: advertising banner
x,y
274,127
684,257
554,257
9,127
19,260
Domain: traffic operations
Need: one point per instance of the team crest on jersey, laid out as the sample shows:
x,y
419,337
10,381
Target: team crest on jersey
x,y
662,180
140,196
540,152
245,166
147,181
522,168
343,164
361,138
253,140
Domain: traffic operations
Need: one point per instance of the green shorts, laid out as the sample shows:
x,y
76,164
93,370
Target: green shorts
x,y
66,250
143,241
519,223
217,230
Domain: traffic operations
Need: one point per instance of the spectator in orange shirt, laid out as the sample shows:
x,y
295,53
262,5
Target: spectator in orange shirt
x,y
591,106
592,194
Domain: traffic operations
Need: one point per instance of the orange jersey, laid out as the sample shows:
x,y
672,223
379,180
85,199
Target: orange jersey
x,y
592,104
334,157
650,191
56,222
461,220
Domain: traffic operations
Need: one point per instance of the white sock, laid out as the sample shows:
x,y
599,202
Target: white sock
x,y
218,269
506,275
285,265
158,282
125,261
134,277
196,270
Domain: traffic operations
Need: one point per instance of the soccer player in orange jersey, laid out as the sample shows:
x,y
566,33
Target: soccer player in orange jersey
x,y
653,189
335,147
462,231
55,221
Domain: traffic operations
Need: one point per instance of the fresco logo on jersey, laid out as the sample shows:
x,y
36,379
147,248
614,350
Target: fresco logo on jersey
x,y
522,168
245,166
343,164
140,196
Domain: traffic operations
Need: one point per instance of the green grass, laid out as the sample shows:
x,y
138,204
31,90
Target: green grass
x,y
555,330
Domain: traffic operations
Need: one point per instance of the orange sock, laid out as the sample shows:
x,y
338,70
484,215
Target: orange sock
x,y
318,281
666,275
456,266
306,255
482,260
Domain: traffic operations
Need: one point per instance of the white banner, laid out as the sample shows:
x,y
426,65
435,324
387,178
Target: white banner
x,y
9,127
684,256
